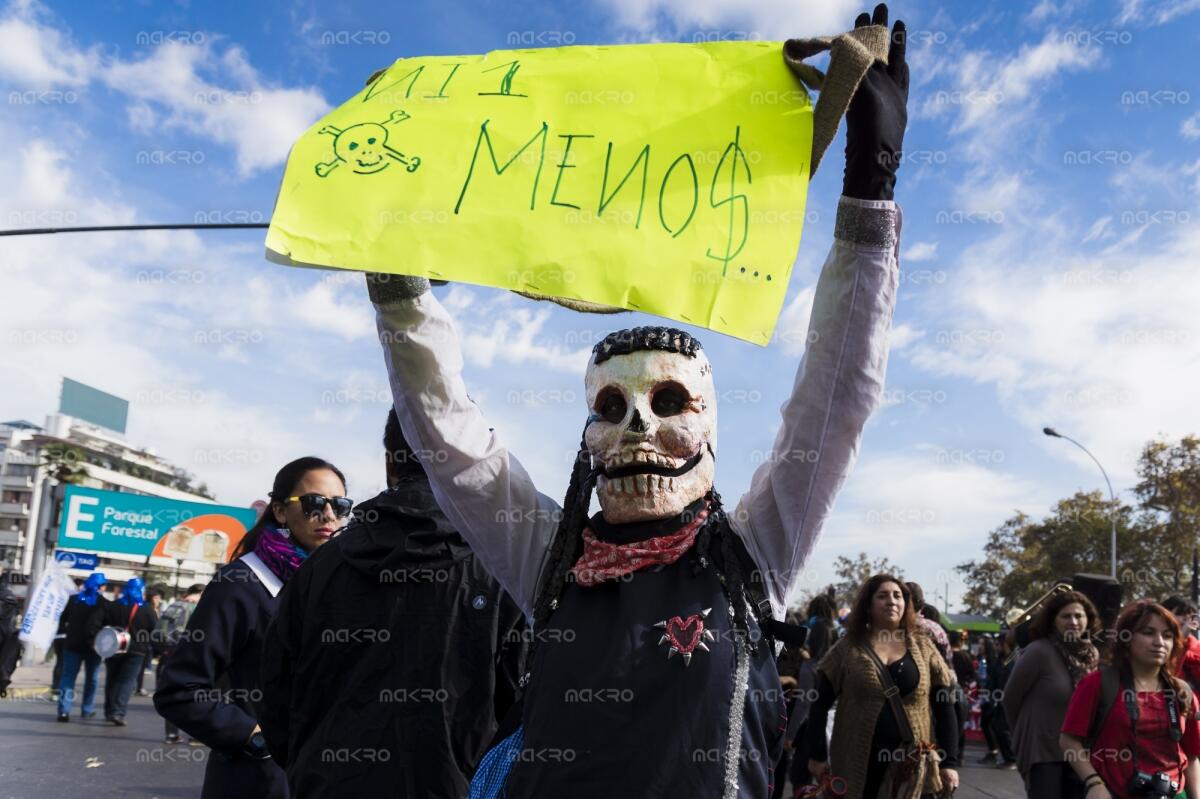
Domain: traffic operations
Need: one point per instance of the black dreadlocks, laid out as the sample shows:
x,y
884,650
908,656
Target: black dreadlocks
x,y
728,563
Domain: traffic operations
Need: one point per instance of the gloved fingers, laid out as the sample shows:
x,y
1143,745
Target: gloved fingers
x,y
864,19
880,17
897,65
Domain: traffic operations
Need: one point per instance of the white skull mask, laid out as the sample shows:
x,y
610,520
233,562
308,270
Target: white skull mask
x,y
653,432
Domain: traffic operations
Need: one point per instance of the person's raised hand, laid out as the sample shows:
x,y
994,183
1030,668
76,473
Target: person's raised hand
x,y
877,118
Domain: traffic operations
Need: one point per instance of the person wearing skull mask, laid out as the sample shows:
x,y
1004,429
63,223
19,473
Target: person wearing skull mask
x,y
650,674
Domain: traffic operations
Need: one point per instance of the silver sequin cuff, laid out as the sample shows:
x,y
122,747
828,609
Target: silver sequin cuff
x,y
386,288
871,225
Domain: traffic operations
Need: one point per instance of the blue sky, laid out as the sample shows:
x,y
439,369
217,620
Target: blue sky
x,y
1049,249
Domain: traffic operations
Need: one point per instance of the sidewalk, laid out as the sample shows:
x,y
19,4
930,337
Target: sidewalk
x,y
977,780
31,682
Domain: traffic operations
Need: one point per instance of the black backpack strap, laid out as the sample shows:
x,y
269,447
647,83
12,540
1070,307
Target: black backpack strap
x,y
1110,689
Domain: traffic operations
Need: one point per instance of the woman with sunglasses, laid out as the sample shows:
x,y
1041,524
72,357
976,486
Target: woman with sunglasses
x,y
211,683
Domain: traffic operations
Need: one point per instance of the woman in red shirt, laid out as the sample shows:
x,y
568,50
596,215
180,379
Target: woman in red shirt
x,y
1149,734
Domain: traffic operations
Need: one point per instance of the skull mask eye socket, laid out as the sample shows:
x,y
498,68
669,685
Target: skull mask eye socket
x,y
669,399
611,405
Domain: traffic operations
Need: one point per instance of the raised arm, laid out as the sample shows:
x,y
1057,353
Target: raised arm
x,y
479,485
840,378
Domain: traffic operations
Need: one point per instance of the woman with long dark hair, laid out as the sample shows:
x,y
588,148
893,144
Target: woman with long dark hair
x,y
210,684
1037,693
1132,724
895,702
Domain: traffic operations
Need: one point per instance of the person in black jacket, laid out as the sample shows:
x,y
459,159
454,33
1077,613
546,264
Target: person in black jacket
x,y
81,619
133,613
393,655
211,681
10,643
822,634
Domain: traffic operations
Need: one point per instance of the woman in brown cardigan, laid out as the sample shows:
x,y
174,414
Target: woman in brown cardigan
x,y
1040,687
868,749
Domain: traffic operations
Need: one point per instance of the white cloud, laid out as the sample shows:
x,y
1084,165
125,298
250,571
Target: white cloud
x,y
515,338
1155,13
1192,170
1016,78
1190,129
205,89
909,505
903,335
217,96
38,56
993,94
791,330
335,305
919,251
1100,230
1047,9
1102,344
753,19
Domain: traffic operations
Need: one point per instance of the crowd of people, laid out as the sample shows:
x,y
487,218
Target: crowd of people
x,y
394,659
1080,712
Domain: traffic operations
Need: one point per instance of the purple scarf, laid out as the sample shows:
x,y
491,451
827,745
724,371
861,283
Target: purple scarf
x,y
276,549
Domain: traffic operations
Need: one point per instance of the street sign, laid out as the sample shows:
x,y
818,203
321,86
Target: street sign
x,y
76,560
135,524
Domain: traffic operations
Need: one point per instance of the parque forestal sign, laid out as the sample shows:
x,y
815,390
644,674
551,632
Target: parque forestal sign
x,y
667,178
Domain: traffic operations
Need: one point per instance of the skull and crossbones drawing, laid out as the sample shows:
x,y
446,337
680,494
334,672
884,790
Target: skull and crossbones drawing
x,y
365,147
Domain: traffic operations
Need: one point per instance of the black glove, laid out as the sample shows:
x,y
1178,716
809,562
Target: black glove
x,y
876,119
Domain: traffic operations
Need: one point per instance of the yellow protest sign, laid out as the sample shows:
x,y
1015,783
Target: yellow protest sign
x,y
666,178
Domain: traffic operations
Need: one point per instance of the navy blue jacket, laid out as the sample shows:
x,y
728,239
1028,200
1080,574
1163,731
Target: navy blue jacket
x,y
210,682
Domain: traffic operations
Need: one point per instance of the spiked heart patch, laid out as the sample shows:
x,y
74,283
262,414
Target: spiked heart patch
x,y
685,636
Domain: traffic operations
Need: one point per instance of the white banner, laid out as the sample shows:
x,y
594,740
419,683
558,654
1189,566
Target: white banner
x,y
46,604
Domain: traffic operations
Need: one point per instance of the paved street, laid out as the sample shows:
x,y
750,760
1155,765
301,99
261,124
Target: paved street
x,y
43,759
987,781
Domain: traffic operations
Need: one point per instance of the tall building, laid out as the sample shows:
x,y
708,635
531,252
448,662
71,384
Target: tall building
x,y
96,456
18,500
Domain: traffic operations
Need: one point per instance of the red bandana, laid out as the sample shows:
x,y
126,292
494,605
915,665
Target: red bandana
x,y
604,561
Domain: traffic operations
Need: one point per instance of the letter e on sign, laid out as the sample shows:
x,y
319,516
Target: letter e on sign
x,y
76,515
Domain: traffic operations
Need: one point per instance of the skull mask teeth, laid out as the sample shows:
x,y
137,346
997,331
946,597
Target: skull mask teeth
x,y
652,434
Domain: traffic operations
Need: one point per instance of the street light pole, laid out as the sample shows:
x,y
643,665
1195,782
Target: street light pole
x,y
1050,431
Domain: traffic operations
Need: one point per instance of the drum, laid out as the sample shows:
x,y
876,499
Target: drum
x,y
111,641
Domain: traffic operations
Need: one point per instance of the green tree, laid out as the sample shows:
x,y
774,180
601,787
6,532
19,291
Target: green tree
x,y
1169,492
64,463
1024,558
